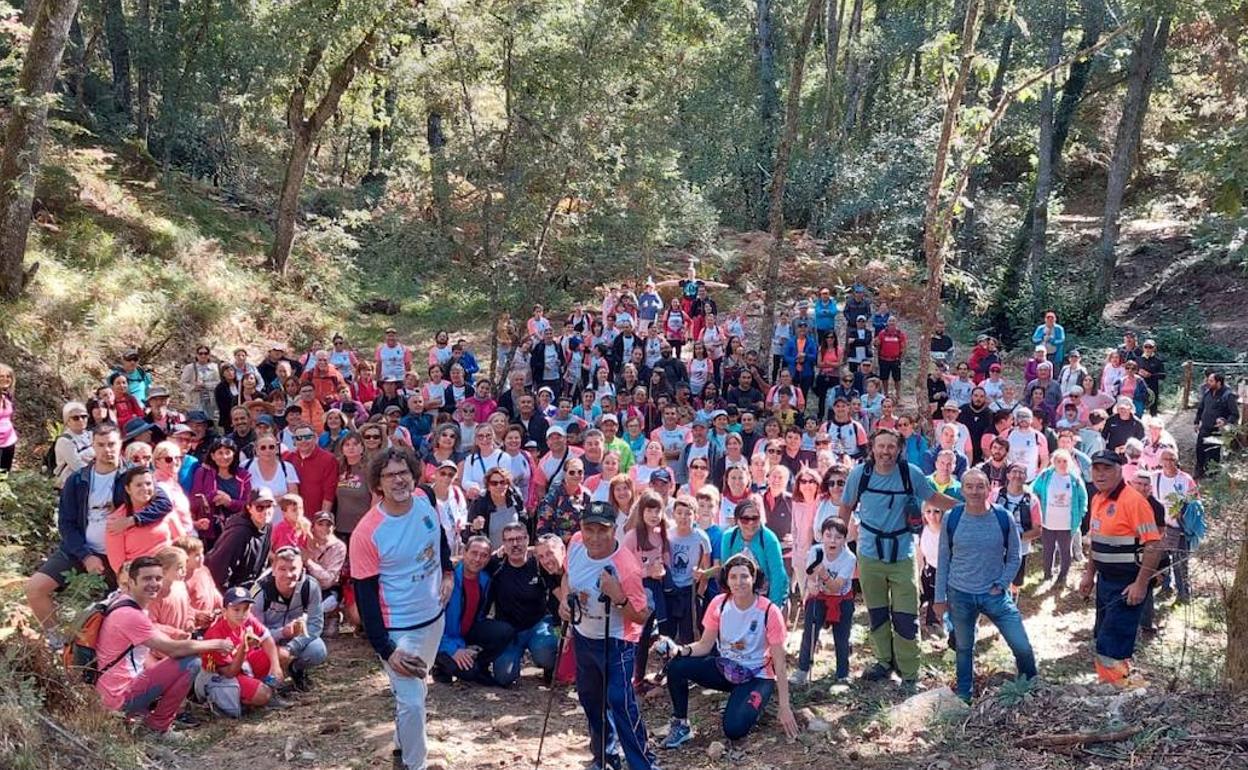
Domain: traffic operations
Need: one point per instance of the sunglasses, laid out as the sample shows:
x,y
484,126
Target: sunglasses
x,y
266,446
77,417
372,437
304,437
749,518
773,451
804,482
171,460
498,483
264,503
575,473
836,483
699,467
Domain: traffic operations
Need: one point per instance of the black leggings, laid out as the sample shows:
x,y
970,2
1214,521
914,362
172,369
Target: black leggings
x,y
6,458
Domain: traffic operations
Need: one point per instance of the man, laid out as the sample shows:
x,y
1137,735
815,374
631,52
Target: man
x,y
670,365
1123,425
699,447
800,353
671,434
72,449
745,395
792,456
849,438
609,424
1142,482
509,400
890,347
1152,370
622,347
202,434
611,606
1125,553
388,397
941,343
138,379
317,470
750,433
520,597
127,684
534,424
1130,350
88,497
325,379
980,553
649,304
1044,379
1218,408
977,417
1028,446
242,551
243,433
393,358
1072,374
857,306
471,641
1052,336
884,491
552,466
546,362
593,448
401,570
268,367
825,310
561,510
288,603
995,467
159,414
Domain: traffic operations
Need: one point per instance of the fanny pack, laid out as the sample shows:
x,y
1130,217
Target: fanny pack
x,y
735,672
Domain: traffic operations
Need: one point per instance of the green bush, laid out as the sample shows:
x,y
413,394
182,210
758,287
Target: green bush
x,y
28,510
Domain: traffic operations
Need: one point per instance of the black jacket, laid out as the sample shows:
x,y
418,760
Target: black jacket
x,y
1222,404
240,553
537,361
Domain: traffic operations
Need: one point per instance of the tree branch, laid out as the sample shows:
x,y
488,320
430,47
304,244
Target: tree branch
x,y
341,80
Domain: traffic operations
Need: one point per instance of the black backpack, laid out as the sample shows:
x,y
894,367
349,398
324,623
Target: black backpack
x,y
913,512
48,466
1023,509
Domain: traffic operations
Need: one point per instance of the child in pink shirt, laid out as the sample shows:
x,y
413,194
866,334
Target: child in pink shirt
x,y
294,529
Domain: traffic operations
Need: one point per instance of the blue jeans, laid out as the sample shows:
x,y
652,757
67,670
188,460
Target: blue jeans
x,y
965,609
541,643
746,701
624,721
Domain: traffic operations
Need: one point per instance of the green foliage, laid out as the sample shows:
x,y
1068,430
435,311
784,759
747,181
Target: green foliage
x,y
28,510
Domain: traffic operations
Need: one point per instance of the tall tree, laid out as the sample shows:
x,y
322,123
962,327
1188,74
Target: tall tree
x,y
1147,56
23,138
1044,161
768,102
834,13
304,129
792,115
118,41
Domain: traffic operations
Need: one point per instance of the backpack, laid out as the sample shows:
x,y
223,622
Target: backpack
x,y
79,652
1003,520
1192,520
1024,509
267,585
48,466
912,512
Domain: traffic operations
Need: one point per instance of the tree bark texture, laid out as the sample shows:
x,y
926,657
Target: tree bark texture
x,y
1044,165
118,42
768,104
834,12
23,138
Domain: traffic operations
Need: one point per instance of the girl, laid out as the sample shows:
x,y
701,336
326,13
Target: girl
x,y
927,556
125,404
436,392
715,341
599,484
293,529
202,592
620,495
828,586
675,323
691,554
646,535
335,429
701,369
651,461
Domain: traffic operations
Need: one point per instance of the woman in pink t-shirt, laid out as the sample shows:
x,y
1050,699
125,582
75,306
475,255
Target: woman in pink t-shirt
x,y
124,540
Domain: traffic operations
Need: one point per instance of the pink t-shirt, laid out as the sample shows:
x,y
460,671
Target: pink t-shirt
x,y
136,541
124,626
173,611
284,534
202,592
746,636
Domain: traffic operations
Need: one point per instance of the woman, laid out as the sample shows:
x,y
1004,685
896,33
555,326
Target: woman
x,y
599,484
659,388
484,457
226,394
1156,440
1112,374
634,435
100,409
126,405
761,463
269,471
1063,500
352,498
675,325
734,455
498,507
124,541
651,461
621,496
701,369
219,489
450,502
459,389
771,432
761,544
735,490
519,465
748,632
646,535
443,449
335,429
167,464
373,434
733,363
715,340
827,370
806,488
699,472
251,390
8,434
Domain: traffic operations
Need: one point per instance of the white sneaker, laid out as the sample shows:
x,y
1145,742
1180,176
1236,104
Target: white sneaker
x,y
799,678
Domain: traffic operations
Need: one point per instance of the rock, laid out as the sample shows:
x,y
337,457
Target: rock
x,y
814,723
307,756
379,305
913,714
715,751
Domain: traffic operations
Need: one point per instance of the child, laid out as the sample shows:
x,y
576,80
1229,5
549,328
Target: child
x,y
293,529
647,537
928,556
830,599
872,404
201,590
691,553
810,434
879,319
1070,417
254,663
708,513
171,610
785,413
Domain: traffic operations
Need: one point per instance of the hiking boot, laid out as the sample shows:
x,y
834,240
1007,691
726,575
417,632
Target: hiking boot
x,y
877,673
299,678
910,686
736,750
679,733
799,678
278,703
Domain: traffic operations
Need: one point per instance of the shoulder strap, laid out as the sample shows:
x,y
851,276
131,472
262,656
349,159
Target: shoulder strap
x,y
305,591
903,467
864,481
125,602
1003,520
951,524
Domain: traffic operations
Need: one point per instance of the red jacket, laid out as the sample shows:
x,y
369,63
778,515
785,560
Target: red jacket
x,y
318,478
892,344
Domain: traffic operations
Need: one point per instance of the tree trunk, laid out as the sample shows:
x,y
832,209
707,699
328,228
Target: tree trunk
x,y
304,135
1044,166
437,168
970,219
834,12
78,60
376,124
768,104
144,63
118,53
23,138
791,117
877,77
853,67
935,220
1237,599
1146,59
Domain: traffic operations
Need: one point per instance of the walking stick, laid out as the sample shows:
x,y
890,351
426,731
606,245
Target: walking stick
x,y
606,673
550,699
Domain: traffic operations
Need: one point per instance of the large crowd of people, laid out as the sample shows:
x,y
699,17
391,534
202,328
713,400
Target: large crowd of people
x,y
653,499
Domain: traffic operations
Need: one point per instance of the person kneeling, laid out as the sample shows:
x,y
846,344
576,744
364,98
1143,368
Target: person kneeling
x,y
830,602
126,635
748,632
247,672
470,640
979,557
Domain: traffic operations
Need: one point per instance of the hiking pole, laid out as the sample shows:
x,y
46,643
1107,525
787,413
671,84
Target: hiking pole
x,y
564,630
606,672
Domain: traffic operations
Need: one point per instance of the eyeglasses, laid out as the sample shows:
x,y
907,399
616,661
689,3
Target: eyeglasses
x,y
77,417
372,437
773,451
264,503
574,473
171,460
447,473
304,437
263,447
836,483
498,483
397,475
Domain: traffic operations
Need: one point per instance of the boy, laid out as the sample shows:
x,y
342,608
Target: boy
x,y
253,664
829,599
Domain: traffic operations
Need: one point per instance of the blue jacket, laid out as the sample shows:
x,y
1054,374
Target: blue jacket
x,y
1078,496
1058,341
809,354
825,315
452,642
71,512
765,548
916,448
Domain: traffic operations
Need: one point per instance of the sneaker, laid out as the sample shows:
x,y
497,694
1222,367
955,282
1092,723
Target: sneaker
x,y
277,703
55,642
910,686
168,737
186,719
679,733
799,678
877,673
299,678
736,750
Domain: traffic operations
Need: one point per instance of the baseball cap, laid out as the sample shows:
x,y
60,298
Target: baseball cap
x,y
949,405
157,392
180,428
238,595
196,415
393,409
662,475
1023,412
701,422
599,512
1107,457
448,464
1150,343
323,516
555,430
994,367
266,419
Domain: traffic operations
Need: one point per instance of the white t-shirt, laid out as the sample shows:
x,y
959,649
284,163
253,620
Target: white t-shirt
x,y
1025,450
840,567
929,544
99,506
279,484
1059,503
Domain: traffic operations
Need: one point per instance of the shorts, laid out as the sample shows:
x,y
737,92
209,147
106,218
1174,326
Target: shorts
x,y
60,562
890,369
1022,572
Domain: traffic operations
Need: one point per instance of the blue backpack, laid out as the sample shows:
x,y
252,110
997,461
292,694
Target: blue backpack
x,y
1003,520
1194,524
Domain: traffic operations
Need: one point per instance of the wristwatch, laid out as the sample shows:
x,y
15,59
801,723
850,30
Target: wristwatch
x,y
620,603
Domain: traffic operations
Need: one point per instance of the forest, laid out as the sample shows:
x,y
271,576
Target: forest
x,y
173,171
